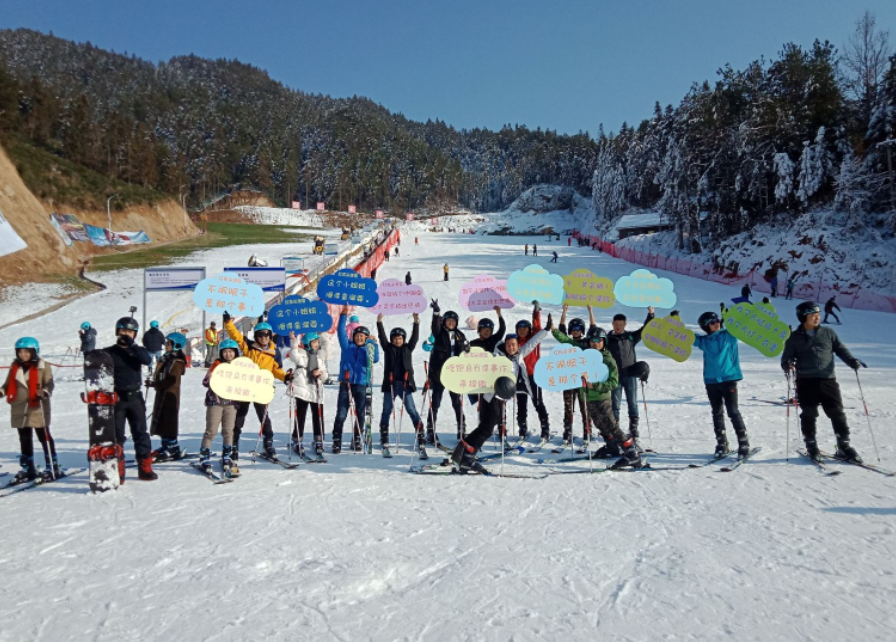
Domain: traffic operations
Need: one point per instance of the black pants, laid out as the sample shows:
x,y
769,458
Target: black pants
x,y
435,394
131,409
343,408
298,430
831,313
723,398
824,392
490,415
26,441
260,412
522,409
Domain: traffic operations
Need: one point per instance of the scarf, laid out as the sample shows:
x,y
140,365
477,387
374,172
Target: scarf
x,y
13,391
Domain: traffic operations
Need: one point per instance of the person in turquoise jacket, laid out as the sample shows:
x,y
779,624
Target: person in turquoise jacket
x,y
721,372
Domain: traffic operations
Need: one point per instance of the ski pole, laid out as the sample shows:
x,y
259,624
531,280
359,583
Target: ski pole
x,y
320,412
587,417
48,438
260,431
293,421
356,425
789,402
503,429
868,417
404,391
646,416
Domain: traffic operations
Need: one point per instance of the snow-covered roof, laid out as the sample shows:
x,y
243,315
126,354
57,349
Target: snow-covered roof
x,y
638,220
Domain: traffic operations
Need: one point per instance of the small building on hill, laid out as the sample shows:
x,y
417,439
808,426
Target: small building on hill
x,y
634,224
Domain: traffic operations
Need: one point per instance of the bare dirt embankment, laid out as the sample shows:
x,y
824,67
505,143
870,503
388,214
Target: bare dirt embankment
x,y
47,257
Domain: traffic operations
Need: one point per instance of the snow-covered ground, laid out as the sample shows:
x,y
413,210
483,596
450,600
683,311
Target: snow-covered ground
x,y
359,549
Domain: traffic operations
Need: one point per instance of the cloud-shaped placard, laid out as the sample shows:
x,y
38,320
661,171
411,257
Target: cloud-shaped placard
x,y
242,380
669,337
347,287
643,288
562,368
229,292
759,328
396,297
534,283
583,288
484,293
475,372
300,315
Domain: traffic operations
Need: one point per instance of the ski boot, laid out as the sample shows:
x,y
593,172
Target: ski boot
x,y
743,446
421,447
846,452
205,457
430,436
319,448
357,446
630,458
174,451
145,471
28,472
608,451
337,443
268,449
464,458
228,469
812,450
297,447
52,472
161,453
722,448
523,432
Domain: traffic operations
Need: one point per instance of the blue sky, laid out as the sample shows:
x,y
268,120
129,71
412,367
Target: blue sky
x,y
561,65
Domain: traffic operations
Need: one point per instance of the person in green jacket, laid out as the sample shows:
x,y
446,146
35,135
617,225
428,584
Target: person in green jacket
x,y
600,408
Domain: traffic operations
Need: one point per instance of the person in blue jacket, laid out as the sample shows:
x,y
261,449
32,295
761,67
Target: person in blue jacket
x,y
354,376
721,372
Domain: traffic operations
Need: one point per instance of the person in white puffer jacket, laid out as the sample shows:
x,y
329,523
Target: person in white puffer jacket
x,y
308,389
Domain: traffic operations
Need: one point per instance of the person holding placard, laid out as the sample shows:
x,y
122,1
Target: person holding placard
x,y
307,389
525,330
621,343
398,378
575,337
263,353
220,412
354,375
519,349
165,381
449,342
721,372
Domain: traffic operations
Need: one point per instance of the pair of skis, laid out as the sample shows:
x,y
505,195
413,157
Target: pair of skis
x,y
821,464
14,487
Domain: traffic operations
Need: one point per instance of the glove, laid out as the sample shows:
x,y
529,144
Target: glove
x,y
288,377
674,313
536,306
434,304
857,363
148,383
125,340
226,316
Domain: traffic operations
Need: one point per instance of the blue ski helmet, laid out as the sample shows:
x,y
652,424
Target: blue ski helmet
x,y
153,324
261,327
178,340
308,337
28,343
354,319
85,325
229,344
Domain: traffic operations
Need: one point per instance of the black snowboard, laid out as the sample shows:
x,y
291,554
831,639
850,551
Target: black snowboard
x,y
104,455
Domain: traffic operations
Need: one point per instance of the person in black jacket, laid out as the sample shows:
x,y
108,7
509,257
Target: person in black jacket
x,y
746,292
488,339
810,352
829,306
128,359
154,341
621,343
449,342
398,377
407,278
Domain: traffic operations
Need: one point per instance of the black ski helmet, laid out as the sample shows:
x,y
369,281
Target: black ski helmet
x,y
451,314
486,323
361,329
806,308
127,323
505,388
705,319
638,369
398,332
577,324
596,334
524,323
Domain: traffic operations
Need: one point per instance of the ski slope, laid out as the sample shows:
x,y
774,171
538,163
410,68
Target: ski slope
x,y
358,549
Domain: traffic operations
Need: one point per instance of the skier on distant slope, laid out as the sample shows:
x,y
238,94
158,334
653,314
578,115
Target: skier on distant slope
x,y
449,342
810,351
721,372
829,306
354,375
87,335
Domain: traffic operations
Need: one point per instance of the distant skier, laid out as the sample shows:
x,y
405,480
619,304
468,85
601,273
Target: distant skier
x,y
165,381
396,250
211,343
445,270
534,250
386,255
554,260
87,335
810,351
407,278
746,292
527,249
154,341
568,241
773,282
791,284
829,307
721,372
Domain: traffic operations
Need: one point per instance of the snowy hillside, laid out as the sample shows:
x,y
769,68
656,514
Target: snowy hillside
x,y
359,549
542,207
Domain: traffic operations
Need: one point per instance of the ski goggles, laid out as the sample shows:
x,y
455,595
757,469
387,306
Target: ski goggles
x,y
713,320
99,397
262,333
511,335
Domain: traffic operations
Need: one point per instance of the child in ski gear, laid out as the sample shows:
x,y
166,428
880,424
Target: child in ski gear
x,y
165,381
154,341
220,412
829,307
128,359
398,377
525,330
29,384
87,335
354,369
621,343
810,351
600,408
263,353
721,372
449,342
307,388
575,337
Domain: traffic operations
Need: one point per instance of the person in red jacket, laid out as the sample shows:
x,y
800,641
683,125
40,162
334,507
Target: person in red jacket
x,y
525,330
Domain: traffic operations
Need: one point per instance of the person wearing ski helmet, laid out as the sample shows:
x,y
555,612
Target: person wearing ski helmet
x,y
355,373
488,339
165,380
310,361
621,343
809,351
221,413
398,379
449,342
128,360
600,408
575,336
525,330
721,372
28,387
264,354
154,341
353,322
87,335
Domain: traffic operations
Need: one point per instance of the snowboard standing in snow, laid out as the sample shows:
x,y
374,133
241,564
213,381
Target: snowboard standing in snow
x,y
105,456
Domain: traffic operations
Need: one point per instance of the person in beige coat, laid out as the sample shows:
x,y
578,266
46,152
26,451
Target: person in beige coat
x,y
28,386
